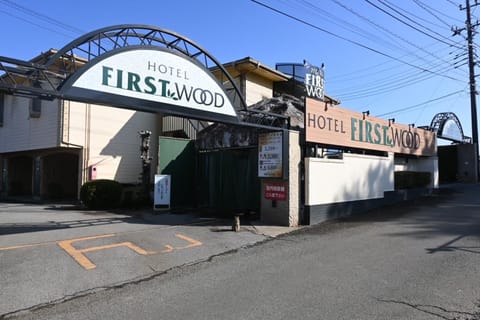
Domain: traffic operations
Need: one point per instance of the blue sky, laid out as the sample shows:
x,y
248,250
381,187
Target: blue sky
x,y
409,67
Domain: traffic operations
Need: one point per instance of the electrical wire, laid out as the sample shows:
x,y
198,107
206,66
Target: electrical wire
x,y
33,23
42,17
410,25
346,25
394,84
419,104
373,70
388,78
385,89
406,12
382,85
388,31
349,40
400,81
430,10
455,4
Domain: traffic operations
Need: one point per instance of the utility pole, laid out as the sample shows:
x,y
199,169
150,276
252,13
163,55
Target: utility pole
x,y
469,27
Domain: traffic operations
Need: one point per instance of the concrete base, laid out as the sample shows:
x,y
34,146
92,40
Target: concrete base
x,y
321,213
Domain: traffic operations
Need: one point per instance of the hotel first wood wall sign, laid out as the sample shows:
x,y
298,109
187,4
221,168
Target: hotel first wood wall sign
x,y
333,125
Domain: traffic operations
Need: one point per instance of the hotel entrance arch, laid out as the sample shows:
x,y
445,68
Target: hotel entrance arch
x,y
134,67
54,78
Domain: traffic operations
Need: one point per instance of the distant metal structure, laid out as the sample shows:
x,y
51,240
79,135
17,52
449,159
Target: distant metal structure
x,y
442,125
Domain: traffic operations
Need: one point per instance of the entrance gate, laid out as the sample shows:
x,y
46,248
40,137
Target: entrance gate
x,y
136,67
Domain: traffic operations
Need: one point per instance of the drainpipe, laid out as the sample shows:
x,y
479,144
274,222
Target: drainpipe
x,y
62,126
65,125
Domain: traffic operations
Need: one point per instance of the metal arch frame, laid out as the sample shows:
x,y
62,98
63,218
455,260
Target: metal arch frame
x,y
80,51
438,123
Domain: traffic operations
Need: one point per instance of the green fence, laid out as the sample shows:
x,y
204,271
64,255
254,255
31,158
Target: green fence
x,y
177,158
228,182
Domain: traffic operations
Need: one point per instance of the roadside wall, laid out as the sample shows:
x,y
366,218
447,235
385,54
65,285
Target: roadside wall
x,y
340,187
429,164
355,177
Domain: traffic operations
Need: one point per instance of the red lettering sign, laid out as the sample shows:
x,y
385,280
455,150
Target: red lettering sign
x,y
275,191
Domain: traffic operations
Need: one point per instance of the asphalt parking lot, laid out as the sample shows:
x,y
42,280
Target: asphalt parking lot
x,y
50,253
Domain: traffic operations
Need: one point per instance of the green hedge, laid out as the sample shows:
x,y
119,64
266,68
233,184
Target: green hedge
x,y
412,179
101,194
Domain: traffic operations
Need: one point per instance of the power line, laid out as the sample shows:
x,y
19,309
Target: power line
x,y
383,67
430,11
388,33
384,88
388,86
419,104
344,24
455,4
408,24
348,40
418,17
42,17
391,86
33,23
385,30
438,67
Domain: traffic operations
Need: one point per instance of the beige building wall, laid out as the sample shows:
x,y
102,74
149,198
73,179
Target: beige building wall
x,y
110,138
23,130
257,88
107,137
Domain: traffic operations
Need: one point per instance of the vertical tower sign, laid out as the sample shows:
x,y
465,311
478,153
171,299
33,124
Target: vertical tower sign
x,y
314,81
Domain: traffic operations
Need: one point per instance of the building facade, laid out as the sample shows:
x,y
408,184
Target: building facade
x,y
49,154
293,155
48,149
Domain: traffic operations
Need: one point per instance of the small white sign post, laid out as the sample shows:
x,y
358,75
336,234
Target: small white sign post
x,y
162,191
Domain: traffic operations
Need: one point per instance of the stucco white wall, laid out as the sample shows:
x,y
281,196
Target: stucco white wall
x,y
294,160
21,132
429,164
355,177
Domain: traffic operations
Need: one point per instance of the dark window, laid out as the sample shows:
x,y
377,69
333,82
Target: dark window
x,y
36,103
35,108
295,86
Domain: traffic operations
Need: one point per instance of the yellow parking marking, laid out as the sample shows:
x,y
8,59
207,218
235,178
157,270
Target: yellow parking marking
x,y
28,245
193,243
79,256
119,233
168,250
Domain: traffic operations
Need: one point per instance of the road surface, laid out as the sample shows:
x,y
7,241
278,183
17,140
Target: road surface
x,y
415,261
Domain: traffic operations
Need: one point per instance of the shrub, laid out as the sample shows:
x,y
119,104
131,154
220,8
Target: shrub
x,y
411,179
101,194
